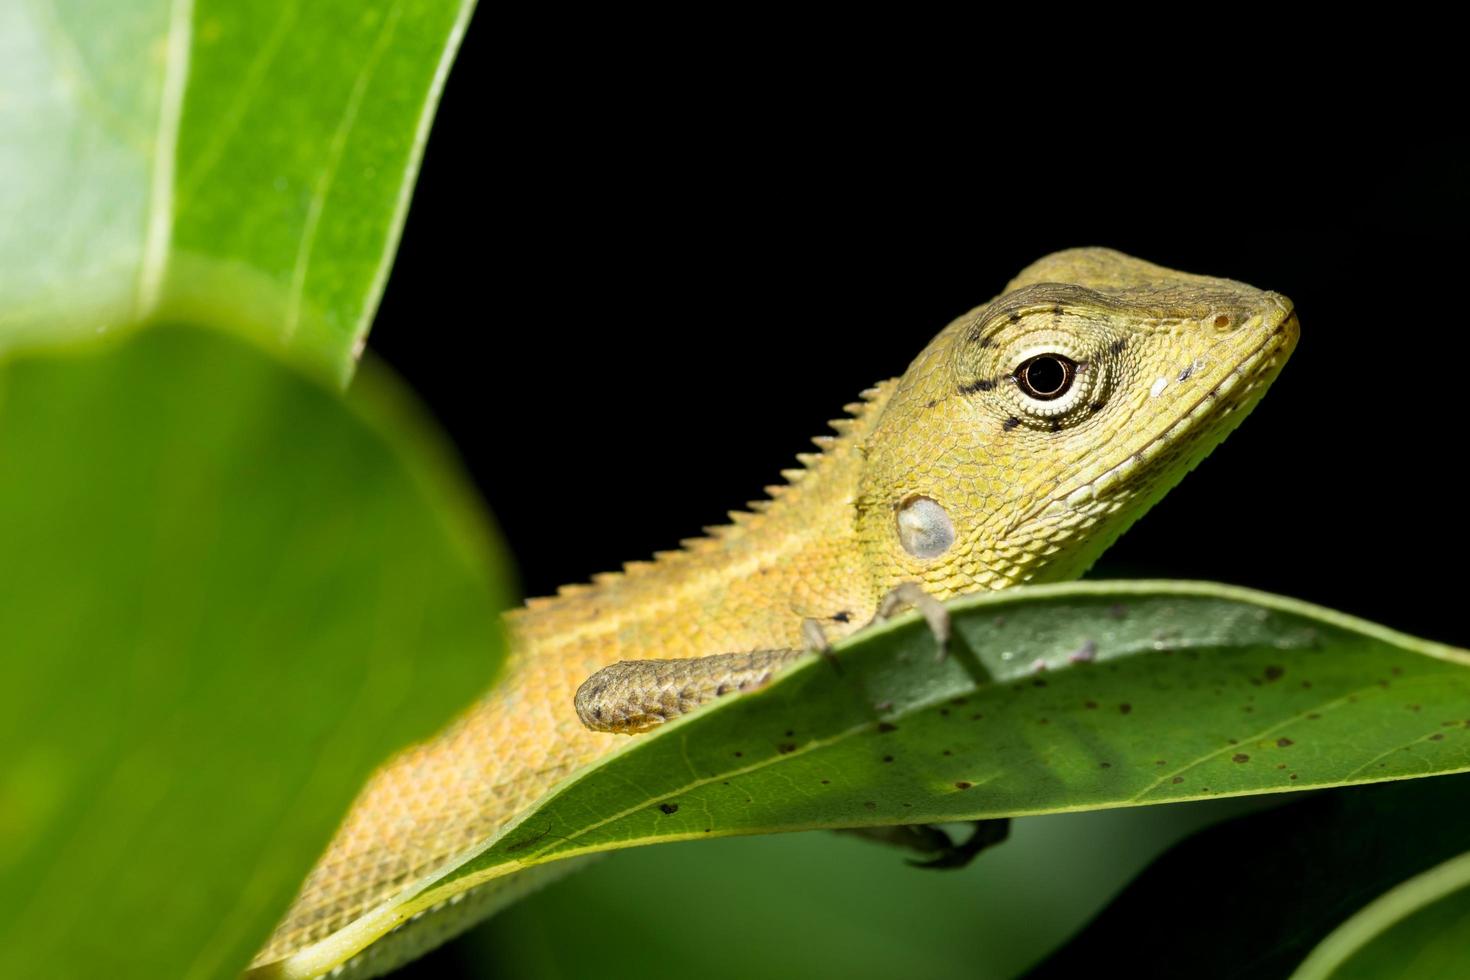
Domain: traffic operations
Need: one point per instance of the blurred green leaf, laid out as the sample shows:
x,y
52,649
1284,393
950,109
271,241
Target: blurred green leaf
x,y
1058,698
1276,883
826,905
1420,929
234,162
228,596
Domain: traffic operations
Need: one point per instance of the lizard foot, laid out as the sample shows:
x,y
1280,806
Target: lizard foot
x,y
632,696
987,834
939,848
911,594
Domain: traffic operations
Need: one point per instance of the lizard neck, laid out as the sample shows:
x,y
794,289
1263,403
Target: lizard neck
x,y
789,557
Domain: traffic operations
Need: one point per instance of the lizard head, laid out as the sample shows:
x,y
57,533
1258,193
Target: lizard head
x,y
1034,430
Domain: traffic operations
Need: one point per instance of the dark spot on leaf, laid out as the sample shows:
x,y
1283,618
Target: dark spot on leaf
x,y
790,733
1306,684
826,782
1038,683
739,754
1159,762
1274,673
1240,757
669,807
1125,707
946,752
888,758
1247,708
1396,671
708,829
1280,765
1232,741
1089,705
944,712
976,717
884,727
1044,721
1177,780
869,804
523,844
963,785
1313,716
1105,765
1414,707
786,747
1282,743
1437,736
959,701
1293,775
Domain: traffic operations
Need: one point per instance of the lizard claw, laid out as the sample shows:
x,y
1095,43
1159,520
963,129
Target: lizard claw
x,y
817,642
912,594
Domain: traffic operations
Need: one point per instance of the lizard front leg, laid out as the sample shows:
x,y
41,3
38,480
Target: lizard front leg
x,y
633,696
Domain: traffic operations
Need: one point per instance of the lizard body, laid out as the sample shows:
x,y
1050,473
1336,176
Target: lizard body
x,y
1019,444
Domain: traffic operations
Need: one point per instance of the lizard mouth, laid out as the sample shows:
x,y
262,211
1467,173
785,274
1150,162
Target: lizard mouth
x,y
1207,420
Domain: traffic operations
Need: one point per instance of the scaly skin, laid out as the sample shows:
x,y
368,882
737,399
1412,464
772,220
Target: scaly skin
x,y
1021,490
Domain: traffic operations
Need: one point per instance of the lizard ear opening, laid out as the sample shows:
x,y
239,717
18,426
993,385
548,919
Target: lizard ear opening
x,y
924,528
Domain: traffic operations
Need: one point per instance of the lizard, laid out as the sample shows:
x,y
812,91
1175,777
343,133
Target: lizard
x,y
1019,444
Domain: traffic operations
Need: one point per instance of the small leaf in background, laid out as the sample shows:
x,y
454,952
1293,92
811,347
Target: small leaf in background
x,y
1420,929
236,162
1252,897
228,596
1068,697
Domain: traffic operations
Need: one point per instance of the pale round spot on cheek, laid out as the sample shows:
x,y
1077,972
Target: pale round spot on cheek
x,y
924,529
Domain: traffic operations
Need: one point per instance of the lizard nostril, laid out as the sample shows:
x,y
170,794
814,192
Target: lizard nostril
x,y
1223,321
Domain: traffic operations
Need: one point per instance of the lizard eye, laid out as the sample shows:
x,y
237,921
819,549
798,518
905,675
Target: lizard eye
x,y
1046,376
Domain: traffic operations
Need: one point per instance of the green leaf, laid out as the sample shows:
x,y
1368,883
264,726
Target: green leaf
x,y
1279,881
233,162
1420,929
1151,692
227,596
827,905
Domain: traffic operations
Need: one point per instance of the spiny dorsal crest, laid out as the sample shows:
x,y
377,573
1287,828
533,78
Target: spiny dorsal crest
x,y
740,520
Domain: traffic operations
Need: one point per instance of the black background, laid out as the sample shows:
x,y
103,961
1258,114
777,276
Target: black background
x,y
632,296
632,287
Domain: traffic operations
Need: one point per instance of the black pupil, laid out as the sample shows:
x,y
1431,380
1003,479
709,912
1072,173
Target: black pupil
x,y
1046,376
